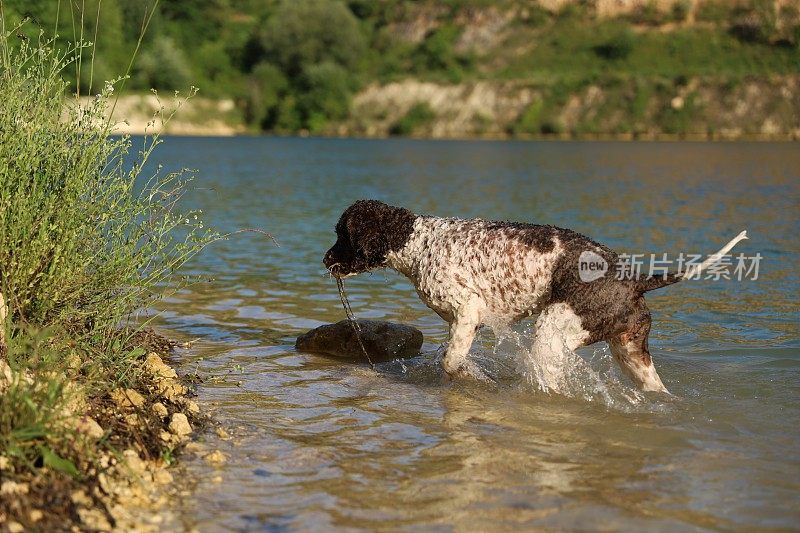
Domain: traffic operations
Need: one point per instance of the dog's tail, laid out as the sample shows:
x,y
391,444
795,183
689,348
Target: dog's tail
x,y
656,282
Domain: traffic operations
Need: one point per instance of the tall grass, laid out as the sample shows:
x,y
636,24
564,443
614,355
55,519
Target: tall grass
x,y
86,240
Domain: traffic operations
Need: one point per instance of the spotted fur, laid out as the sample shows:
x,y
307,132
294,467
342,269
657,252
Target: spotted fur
x,y
474,272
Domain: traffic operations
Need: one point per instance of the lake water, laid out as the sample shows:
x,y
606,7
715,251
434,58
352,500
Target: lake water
x,y
321,444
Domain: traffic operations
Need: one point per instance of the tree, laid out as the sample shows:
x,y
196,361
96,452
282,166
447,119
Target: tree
x,y
308,32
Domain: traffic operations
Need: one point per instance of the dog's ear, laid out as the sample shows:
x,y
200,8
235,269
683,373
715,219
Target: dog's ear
x,y
366,226
375,228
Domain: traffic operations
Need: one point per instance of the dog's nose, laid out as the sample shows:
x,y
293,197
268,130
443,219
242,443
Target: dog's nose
x,y
328,259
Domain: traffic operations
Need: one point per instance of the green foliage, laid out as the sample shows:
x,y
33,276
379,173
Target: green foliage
x,y
680,10
618,46
217,75
32,411
647,13
266,86
311,49
419,116
221,46
86,240
325,95
531,120
81,244
308,32
437,54
716,11
678,121
164,66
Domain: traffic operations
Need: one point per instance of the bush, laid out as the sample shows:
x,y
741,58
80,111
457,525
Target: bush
x,y
746,27
265,88
83,242
325,95
419,116
163,66
308,32
436,54
647,13
680,10
530,121
216,68
618,46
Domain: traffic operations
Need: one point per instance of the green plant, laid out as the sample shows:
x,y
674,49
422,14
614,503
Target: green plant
x,y
85,238
419,116
307,32
163,65
266,86
716,11
530,122
618,46
325,95
647,13
680,10
33,412
679,120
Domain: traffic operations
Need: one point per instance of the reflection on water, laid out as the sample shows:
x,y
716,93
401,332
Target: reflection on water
x,y
321,444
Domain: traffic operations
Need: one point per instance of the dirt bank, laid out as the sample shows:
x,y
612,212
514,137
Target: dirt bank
x,y
126,441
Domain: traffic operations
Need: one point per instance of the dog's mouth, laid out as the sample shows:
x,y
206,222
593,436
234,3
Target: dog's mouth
x,y
337,271
341,269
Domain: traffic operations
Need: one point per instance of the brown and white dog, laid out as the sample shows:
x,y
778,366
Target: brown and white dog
x,y
474,272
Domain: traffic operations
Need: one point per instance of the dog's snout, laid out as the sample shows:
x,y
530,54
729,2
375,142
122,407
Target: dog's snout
x,y
328,259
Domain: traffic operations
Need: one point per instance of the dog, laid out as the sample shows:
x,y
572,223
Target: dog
x,y
475,272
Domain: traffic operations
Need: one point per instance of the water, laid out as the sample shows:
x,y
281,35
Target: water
x,y
322,444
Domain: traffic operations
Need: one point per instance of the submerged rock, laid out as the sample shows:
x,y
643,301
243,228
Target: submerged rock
x,y
384,341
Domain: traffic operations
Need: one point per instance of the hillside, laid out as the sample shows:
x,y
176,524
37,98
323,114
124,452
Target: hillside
x,y
463,68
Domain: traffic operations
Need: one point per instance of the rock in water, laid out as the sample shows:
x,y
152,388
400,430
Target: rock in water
x,y
384,341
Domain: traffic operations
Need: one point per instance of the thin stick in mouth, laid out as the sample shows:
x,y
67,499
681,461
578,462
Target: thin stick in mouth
x,y
352,319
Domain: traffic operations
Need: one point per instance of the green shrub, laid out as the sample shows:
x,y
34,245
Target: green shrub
x,y
530,122
618,46
678,121
266,86
288,118
85,240
419,116
308,32
647,13
437,54
216,69
716,11
163,65
680,10
325,95
750,25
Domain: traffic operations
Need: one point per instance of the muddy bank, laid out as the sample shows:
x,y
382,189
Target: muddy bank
x,y
124,444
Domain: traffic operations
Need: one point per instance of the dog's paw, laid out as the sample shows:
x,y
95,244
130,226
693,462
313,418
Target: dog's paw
x,y
467,369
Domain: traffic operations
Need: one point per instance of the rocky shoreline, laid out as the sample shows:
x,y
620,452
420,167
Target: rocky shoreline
x,y
128,438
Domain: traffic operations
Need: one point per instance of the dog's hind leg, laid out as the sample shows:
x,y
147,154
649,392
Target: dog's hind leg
x,y
631,352
462,333
558,330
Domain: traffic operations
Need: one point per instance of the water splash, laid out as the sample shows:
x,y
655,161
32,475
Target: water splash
x,y
555,370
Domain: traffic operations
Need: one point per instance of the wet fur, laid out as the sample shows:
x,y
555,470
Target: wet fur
x,y
474,272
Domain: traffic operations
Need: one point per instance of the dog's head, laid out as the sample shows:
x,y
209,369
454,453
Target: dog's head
x,y
366,232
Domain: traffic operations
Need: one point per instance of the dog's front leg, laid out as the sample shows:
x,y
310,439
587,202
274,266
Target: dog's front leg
x,y
462,332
